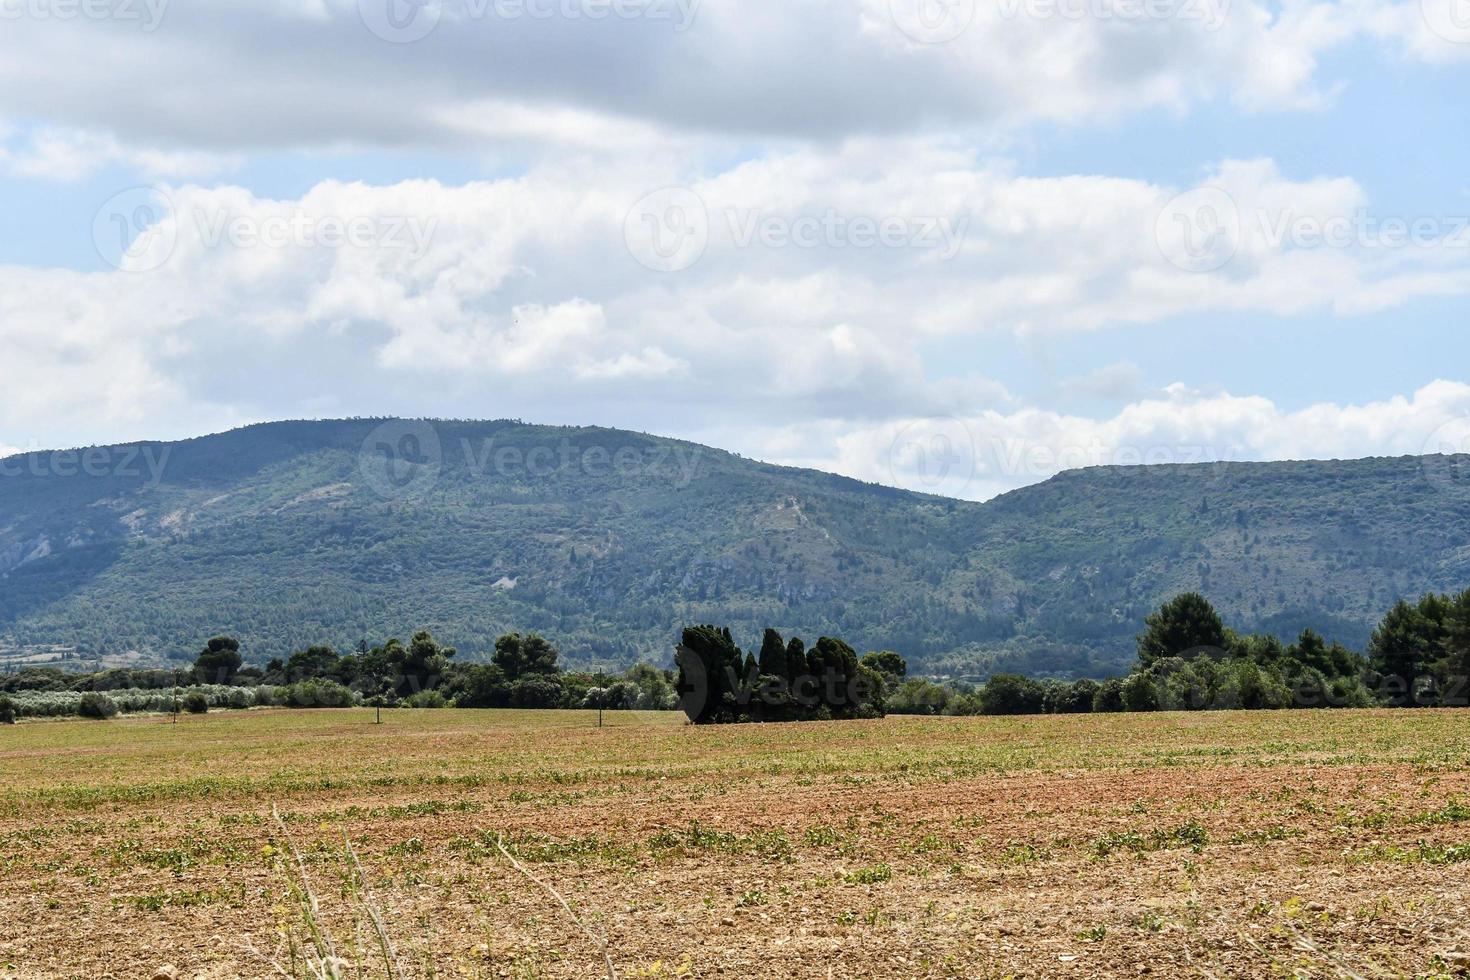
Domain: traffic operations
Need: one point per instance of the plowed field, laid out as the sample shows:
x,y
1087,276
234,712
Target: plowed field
x,y
1211,844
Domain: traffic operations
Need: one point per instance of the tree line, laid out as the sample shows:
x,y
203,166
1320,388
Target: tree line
x,y
523,673
1187,659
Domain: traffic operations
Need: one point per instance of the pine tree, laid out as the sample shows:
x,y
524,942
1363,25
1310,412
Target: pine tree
x,y
1186,624
1401,649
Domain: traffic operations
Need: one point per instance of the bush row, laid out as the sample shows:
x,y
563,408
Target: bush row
x,y
196,700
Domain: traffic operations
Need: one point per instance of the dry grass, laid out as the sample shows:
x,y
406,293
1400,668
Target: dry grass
x,y
1311,844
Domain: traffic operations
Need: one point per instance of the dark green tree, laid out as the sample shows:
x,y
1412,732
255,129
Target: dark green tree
x,y
537,691
1185,626
1401,650
1457,635
889,665
317,661
219,661
1012,694
421,666
709,665
1076,698
773,655
1139,693
1109,696
524,657
795,659
480,686
837,671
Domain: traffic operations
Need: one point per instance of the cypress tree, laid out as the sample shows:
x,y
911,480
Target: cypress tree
x,y
795,659
773,655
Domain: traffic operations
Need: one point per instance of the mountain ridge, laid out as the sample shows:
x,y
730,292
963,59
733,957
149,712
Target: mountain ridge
x,y
606,540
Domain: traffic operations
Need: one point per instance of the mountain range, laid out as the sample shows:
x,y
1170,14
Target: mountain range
x,y
607,542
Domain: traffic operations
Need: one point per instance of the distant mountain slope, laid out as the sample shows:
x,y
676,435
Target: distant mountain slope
x,y
295,533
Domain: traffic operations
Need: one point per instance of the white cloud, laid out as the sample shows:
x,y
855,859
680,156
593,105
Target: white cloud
x,y
982,455
221,77
521,297
68,155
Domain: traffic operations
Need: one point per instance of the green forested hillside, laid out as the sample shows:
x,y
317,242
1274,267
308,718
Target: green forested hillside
x,y
608,542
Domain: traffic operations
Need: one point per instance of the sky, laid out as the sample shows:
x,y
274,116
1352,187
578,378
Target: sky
x,y
950,245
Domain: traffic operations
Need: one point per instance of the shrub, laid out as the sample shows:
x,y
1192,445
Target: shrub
x,y
620,696
1109,695
1076,698
196,703
7,711
1186,685
535,692
965,703
1140,694
919,697
318,694
98,706
426,699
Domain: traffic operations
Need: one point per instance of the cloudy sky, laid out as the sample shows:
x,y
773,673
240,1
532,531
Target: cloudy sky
x,y
954,245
